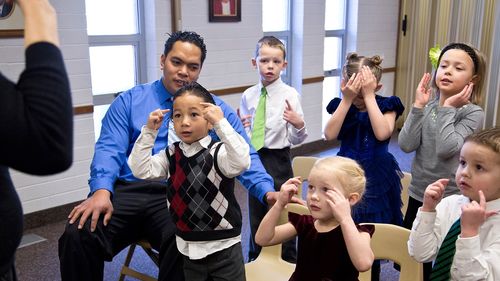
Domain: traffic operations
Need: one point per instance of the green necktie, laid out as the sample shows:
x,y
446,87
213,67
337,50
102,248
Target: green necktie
x,y
259,122
444,259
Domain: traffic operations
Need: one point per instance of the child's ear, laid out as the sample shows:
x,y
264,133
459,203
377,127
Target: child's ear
x,y
254,62
379,86
353,198
475,78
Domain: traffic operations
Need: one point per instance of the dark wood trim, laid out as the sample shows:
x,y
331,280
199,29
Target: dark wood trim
x,y
312,80
241,89
389,69
83,109
230,91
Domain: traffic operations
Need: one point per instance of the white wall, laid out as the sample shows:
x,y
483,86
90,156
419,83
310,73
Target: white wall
x,y
377,34
38,193
230,48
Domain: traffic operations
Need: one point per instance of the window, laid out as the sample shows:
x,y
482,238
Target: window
x,y
276,22
116,46
335,46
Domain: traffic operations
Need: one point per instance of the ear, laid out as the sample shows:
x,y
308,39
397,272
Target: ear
x,y
353,198
379,86
254,62
162,61
475,78
285,63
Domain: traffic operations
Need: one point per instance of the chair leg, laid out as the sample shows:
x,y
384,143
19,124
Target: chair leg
x,y
126,264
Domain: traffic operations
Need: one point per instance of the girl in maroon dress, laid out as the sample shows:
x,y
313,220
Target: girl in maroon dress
x,y
330,245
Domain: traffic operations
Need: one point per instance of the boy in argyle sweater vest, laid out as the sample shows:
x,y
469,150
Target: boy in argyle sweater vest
x,y
460,232
200,181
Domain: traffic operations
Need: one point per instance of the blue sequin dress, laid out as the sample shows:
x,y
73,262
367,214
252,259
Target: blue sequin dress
x,y
381,201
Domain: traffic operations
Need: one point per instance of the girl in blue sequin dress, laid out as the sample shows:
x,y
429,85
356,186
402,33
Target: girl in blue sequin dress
x,y
364,122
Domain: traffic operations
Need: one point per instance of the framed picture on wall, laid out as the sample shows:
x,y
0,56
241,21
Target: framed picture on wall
x,y
224,10
11,19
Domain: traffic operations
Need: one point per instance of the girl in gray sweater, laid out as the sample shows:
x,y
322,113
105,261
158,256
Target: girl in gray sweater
x,y
436,128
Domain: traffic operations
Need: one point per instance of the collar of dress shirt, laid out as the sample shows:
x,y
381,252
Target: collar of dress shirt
x,y
163,94
271,87
196,146
493,205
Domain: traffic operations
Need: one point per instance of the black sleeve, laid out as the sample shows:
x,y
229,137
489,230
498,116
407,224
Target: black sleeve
x,y
36,114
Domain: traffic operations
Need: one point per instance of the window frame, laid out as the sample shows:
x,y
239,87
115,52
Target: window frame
x,y
137,40
286,36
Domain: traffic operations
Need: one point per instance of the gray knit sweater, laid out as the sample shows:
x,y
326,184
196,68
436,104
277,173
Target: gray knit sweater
x,y
437,134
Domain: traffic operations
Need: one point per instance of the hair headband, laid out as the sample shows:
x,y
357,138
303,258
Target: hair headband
x,y
464,47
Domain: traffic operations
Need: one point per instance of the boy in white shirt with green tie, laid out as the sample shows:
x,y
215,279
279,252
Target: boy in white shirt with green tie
x,y
273,118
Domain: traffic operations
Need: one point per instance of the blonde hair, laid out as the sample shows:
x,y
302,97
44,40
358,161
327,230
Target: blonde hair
x,y
347,171
479,63
488,137
270,41
354,62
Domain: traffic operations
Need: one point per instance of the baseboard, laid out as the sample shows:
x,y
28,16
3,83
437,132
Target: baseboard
x,y
58,213
48,216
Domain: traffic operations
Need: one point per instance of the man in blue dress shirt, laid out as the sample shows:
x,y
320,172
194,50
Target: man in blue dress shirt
x,y
121,209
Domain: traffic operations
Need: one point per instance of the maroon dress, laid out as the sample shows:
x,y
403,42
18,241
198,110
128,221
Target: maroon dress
x,y
322,256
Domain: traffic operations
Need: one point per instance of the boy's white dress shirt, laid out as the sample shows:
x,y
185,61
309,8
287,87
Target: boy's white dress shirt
x,y
476,258
279,133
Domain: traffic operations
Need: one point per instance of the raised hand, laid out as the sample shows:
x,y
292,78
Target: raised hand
x,y
461,98
288,190
292,117
212,112
351,88
341,208
245,119
368,82
155,119
40,22
423,92
473,216
433,194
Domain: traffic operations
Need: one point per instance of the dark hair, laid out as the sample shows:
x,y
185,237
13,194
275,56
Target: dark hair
x,y
354,62
186,36
479,62
270,41
195,89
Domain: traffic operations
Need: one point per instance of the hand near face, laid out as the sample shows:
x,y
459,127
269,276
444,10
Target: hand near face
x,y
433,194
423,92
368,82
461,98
351,88
245,119
473,216
156,118
341,208
288,190
212,112
292,116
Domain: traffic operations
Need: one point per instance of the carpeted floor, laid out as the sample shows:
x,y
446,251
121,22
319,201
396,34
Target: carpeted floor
x,y
39,261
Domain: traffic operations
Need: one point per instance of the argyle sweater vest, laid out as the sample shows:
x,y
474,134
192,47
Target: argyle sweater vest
x,y
202,201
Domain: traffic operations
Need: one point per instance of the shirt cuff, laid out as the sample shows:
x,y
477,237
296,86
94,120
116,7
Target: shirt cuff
x,y
425,221
468,248
101,183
